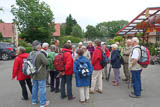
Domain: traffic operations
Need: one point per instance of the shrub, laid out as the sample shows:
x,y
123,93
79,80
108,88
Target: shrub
x,y
28,49
23,43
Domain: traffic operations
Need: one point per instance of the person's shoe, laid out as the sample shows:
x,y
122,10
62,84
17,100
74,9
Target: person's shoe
x,y
57,91
72,98
47,103
115,84
25,99
34,103
87,100
113,81
82,102
125,79
63,97
99,91
52,90
134,96
91,92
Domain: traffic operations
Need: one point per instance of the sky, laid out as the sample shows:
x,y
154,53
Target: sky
x,y
88,12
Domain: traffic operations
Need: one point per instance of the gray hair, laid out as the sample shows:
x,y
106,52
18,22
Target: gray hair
x,y
44,45
135,39
21,49
114,46
53,48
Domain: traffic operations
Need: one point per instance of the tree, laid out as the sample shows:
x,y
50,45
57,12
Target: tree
x,y
70,22
109,29
1,37
76,31
1,21
63,28
34,20
91,31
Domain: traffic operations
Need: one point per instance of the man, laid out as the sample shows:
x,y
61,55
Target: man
x,y
39,79
67,75
69,42
104,47
57,46
135,68
44,51
97,68
126,53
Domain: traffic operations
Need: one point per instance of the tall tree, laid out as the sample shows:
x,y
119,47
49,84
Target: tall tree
x,y
76,31
34,19
63,28
70,22
109,29
1,21
91,31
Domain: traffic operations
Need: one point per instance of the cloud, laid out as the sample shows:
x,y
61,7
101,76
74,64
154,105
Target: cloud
x,y
90,11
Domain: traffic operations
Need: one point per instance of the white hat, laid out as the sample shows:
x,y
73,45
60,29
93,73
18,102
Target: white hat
x,y
80,43
69,41
114,46
102,43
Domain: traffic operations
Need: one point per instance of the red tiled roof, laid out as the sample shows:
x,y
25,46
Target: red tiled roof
x,y
57,28
6,29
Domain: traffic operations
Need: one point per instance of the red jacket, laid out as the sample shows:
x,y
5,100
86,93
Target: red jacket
x,y
17,67
107,52
68,61
97,58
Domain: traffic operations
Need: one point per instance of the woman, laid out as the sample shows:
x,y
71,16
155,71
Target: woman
x,y
17,72
53,72
90,48
116,64
82,83
86,52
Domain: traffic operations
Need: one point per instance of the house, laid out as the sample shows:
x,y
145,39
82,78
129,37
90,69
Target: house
x,y
57,28
9,31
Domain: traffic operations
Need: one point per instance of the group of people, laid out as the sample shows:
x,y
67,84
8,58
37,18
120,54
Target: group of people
x,y
90,55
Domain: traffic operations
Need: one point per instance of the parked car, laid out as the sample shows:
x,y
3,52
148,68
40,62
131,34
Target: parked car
x,y
7,51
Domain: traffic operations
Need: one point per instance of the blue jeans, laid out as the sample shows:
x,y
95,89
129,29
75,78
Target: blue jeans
x,y
136,82
39,85
66,79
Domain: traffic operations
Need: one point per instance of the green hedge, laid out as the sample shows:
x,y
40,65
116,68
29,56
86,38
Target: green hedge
x,y
23,43
64,39
28,49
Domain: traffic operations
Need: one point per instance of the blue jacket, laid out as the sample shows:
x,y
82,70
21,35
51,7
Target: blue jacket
x,y
82,82
115,59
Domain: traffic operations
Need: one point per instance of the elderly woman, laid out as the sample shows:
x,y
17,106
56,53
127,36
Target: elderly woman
x,y
74,54
116,64
90,48
86,52
17,72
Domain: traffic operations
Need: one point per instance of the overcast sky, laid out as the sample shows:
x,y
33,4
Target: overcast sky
x,y
89,11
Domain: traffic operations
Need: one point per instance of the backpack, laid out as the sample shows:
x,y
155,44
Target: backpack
x,y
144,60
83,70
59,63
105,60
50,58
28,67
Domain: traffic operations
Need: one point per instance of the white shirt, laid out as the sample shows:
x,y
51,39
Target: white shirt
x,y
135,54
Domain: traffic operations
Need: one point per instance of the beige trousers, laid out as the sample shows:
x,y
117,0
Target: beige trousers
x,y
97,78
84,93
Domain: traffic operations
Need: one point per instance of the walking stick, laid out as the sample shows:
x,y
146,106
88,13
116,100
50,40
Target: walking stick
x,y
109,73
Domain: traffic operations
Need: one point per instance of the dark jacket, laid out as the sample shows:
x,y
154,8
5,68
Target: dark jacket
x,y
115,59
68,60
82,82
17,67
41,60
91,50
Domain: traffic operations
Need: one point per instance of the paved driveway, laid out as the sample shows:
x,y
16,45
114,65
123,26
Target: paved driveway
x,y
10,92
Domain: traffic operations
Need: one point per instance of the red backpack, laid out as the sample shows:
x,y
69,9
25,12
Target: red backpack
x,y
59,63
144,60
